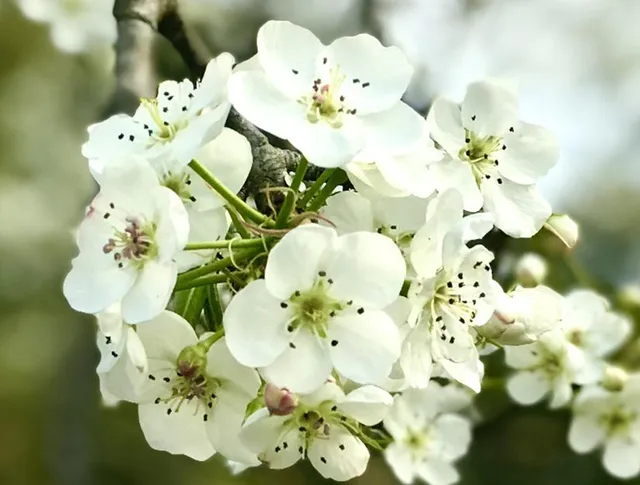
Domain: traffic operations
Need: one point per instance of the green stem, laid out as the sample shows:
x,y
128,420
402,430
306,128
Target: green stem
x,y
290,199
202,281
213,307
337,178
237,223
218,265
212,339
240,205
311,191
226,244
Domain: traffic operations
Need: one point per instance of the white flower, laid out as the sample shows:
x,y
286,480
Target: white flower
x,y
123,361
523,315
589,325
610,420
399,174
76,25
548,366
564,228
453,290
428,438
320,306
172,127
531,269
323,428
330,102
228,157
493,158
194,399
128,242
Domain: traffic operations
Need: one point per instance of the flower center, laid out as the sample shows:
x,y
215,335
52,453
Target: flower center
x,y
479,152
551,364
314,308
189,382
325,103
165,131
179,183
72,6
135,244
618,420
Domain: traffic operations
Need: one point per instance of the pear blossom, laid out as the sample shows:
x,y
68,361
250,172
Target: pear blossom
x,y
565,228
523,315
320,306
331,102
323,428
548,366
76,25
531,269
493,158
453,290
195,395
428,436
589,324
402,173
173,126
128,242
609,420
123,360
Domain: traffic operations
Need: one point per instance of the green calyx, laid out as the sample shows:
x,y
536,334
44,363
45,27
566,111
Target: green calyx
x,y
314,308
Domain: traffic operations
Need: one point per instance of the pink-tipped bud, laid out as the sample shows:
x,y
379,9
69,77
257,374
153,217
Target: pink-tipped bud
x,y
279,402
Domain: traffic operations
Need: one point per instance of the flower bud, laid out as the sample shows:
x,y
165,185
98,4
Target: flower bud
x,y
614,378
564,228
531,270
522,316
629,296
279,402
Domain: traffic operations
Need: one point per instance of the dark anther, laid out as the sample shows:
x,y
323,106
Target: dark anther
x,y
169,411
460,285
438,319
277,449
283,305
366,85
210,405
323,459
120,136
341,98
443,337
290,328
108,339
114,354
393,227
468,153
165,110
152,377
511,129
192,198
483,294
462,320
166,379
451,301
112,205
285,445
350,302
460,276
300,450
295,71
500,181
473,118
360,311
467,140
476,284
120,265
341,447
334,343
302,429
322,273
292,345
324,61
332,313
205,417
449,284
334,408
131,137
106,215
452,339
157,401
297,293
356,80
330,281
504,147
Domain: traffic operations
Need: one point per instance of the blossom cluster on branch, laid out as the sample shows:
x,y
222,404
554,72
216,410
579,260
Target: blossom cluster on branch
x,y
338,320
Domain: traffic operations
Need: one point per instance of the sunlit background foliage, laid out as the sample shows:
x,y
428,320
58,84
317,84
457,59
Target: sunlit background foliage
x,y
579,66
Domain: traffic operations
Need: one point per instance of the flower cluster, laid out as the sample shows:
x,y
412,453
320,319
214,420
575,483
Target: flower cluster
x,y
337,320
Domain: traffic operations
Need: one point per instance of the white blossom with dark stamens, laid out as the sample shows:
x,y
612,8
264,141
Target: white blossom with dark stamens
x,y
76,25
320,306
331,102
493,158
123,361
173,126
446,300
193,401
323,428
128,242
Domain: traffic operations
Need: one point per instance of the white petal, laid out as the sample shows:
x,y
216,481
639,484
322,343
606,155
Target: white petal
x,y
416,359
445,125
293,262
400,460
172,221
522,357
166,336
243,380
340,456
364,347
223,428
366,268
452,173
116,136
405,213
527,387
531,151
585,433
489,109
367,404
150,293
324,145
288,54
303,366
125,379
453,436
263,105
256,326
125,173
407,173
91,286
285,451
179,433
437,472
260,430
212,89
364,60
369,181
349,212
468,372
519,210
392,130
622,457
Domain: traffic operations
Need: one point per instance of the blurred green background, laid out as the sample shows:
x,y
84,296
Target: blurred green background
x,y
53,427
